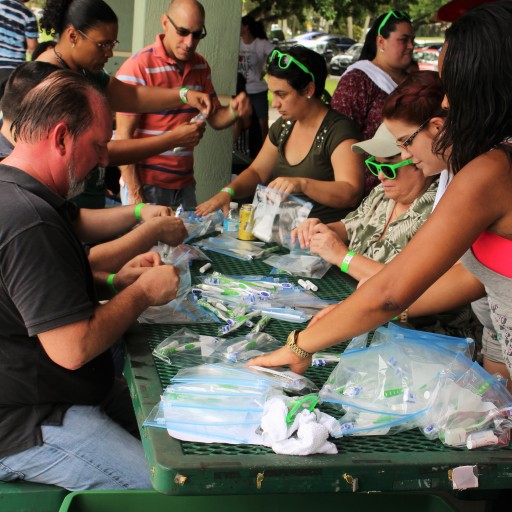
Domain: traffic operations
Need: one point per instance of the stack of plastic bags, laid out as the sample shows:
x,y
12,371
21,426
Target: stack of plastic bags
x,y
408,379
222,403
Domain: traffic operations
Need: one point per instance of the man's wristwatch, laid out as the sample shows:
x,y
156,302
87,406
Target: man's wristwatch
x,y
291,343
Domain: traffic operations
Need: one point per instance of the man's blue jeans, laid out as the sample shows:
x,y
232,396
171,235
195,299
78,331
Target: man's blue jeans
x,y
89,451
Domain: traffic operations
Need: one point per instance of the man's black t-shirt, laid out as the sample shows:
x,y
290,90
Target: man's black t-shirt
x,y
45,283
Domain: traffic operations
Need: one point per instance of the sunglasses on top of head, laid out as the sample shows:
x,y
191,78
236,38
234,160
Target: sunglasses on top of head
x,y
284,61
399,15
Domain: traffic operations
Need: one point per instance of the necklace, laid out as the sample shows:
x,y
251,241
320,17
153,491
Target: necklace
x,y
58,56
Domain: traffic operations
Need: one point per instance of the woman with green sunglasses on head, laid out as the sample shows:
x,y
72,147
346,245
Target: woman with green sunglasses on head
x,y
382,65
307,151
371,236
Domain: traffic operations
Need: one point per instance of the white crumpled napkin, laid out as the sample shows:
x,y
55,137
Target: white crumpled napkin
x,y
307,435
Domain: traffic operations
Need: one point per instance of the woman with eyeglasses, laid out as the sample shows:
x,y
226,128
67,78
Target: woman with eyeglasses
x,y
473,220
307,152
371,236
382,65
87,31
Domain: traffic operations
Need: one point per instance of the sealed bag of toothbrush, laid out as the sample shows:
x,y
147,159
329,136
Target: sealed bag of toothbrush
x,y
199,420
241,348
276,214
394,379
239,249
469,408
185,348
392,332
240,374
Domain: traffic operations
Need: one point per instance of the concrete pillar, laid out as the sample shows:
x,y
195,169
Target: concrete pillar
x,y
139,22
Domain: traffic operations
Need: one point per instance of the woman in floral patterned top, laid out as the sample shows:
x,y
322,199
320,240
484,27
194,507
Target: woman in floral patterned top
x,y
384,222
364,87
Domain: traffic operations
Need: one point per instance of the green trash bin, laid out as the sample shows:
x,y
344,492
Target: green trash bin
x,y
143,501
22,496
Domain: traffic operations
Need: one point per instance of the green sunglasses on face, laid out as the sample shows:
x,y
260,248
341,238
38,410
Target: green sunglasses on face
x,y
284,61
399,15
389,170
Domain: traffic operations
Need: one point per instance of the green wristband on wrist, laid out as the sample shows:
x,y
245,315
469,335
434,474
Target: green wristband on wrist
x,y
346,261
137,210
183,95
230,191
110,284
233,112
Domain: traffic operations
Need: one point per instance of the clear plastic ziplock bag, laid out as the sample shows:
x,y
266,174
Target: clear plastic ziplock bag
x,y
207,426
363,423
302,265
243,348
276,214
183,311
467,400
396,378
383,335
199,226
184,341
465,346
242,431
221,402
220,375
229,246
219,388
280,377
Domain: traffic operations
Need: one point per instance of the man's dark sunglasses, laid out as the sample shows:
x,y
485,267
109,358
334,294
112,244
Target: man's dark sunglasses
x,y
184,32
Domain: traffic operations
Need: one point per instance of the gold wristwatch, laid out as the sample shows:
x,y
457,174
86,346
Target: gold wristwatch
x,y
291,343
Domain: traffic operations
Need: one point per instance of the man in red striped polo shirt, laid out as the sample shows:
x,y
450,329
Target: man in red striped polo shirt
x,y
172,61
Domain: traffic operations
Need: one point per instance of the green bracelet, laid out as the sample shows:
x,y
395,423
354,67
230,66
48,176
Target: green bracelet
x,y
110,284
230,191
346,261
233,112
137,210
183,95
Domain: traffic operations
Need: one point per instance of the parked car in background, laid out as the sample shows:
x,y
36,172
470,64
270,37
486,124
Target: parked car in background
x,y
330,45
426,58
276,36
300,39
339,63
342,43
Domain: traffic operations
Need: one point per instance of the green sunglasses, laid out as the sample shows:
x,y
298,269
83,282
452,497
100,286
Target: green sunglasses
x,y
389,170
399,15
284,61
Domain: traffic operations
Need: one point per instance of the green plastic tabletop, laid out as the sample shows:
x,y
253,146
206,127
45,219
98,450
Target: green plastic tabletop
x,y
403,462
